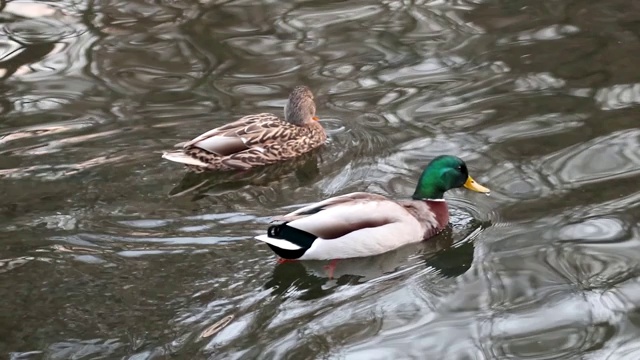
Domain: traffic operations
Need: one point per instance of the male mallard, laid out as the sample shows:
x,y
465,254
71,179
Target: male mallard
x,y
256,140
363,224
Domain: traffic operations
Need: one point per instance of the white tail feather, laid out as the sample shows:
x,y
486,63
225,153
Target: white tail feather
x,y
180,157
282,244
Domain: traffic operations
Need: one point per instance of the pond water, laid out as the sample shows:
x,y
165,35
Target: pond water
x,y
107,251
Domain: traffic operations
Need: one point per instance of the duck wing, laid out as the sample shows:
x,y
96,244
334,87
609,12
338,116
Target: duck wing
x,y
340,215
325,204
240,135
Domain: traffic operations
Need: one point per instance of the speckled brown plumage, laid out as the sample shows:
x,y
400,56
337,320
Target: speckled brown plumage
x,y
256,140
269,140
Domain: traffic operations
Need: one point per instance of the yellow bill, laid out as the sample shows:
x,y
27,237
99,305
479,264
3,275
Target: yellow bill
x,y
474,186
315,118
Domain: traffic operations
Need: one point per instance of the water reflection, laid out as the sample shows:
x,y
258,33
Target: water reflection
x,y
301,171
360,270
107,251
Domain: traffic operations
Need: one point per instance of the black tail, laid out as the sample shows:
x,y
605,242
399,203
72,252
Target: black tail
x,y
299,237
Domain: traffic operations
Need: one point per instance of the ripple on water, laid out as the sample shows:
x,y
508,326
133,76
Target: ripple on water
x,y
604,158
138,64
261,45
337,18
38,30
272,69
533,126
558,343
618,96
517,181
52,95
48,129
594,230
42,40
257,90
172,109
593,267
562,324
129,17
83,348
552,32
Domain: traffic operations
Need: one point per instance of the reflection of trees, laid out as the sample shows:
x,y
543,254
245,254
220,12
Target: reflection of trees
x,y
26,54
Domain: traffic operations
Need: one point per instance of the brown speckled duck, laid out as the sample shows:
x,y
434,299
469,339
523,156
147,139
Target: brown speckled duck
x,y
362,224
256,140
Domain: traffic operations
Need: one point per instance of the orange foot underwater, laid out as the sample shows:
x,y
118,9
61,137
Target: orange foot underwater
x,y
282,260
331,267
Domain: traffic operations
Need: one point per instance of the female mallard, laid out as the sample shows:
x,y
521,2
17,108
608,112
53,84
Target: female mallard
x,y
363,224
256,140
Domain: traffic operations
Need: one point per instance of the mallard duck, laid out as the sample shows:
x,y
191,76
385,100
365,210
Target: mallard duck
x,y
256,140
363,224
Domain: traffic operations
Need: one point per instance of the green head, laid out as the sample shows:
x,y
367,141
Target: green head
x,y
444,173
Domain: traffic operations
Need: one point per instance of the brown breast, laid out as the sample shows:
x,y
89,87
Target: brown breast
x,y
318,133
441,211
433,215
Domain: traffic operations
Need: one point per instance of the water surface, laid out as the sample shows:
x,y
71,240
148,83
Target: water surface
x,y
106,251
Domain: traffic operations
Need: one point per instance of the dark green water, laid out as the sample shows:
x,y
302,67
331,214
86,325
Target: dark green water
x,y
104,254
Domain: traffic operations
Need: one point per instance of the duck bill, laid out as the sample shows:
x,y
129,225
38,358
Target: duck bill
x,y
315,118
474,186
